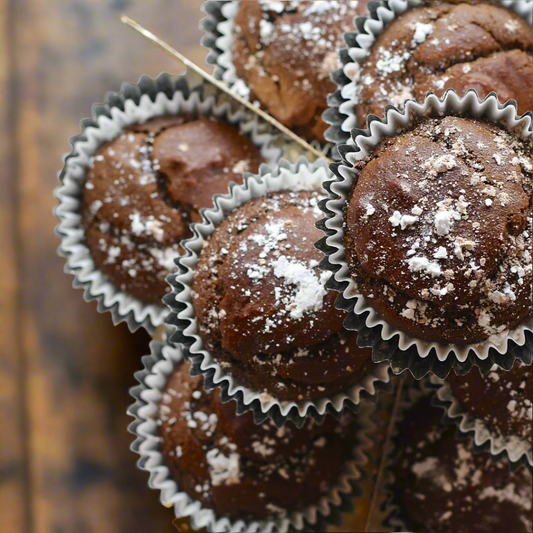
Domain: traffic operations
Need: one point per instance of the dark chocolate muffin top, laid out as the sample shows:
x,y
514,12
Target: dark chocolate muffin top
x,y
448,45
501,400
438,231
262,306
242,470
441,485
286,52
146,186
258,287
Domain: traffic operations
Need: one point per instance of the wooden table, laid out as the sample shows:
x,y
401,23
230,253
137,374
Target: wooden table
x,y
65,464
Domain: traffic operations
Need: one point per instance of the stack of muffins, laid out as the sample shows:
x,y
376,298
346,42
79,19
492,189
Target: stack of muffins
x,y
428,241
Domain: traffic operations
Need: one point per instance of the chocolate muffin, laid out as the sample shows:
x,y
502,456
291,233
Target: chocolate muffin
x,y
501,400
262,308
440,485
448,45
438,231
242,470
286,52
144,189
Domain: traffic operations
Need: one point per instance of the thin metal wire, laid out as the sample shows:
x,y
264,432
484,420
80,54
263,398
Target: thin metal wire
x,y
222,86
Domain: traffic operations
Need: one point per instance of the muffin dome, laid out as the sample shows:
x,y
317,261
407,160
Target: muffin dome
x,y
501,400
438,231
286,52
262,306
146,186
440,485
448,45
242,470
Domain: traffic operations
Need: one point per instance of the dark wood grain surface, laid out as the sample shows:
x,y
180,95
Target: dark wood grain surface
x,y
65,464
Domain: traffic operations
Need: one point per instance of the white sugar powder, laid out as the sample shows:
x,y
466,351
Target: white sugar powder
x,y
224,470
509,494
425,467
421,33
444,221
241,167
266,30
148,226
310,291
435,165
387,64
113,253
272,5
441,253
165,257
275,234
404,221
424,265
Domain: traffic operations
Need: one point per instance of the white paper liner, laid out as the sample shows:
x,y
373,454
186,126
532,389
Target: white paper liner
x,y
392,344
135,104
300,176
153,379
219,28
518,451
341,115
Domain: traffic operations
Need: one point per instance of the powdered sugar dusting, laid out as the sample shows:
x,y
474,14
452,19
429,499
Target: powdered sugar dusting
x,y
224,470
310,293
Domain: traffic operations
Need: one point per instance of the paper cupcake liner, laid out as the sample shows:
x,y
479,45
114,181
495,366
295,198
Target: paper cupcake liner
x,y
341,113
518,451
153,378
300,176
134,104
219,30
388,343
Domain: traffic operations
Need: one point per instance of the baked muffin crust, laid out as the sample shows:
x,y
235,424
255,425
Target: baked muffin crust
x,y
441,485
145,188
449,45
262,307
242,470
286,52
438,231
501,400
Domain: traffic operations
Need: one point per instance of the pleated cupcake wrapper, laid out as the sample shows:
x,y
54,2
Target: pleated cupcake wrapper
x,y
389,344
153,379
341,113
219,29
518,451
135,103
300,176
